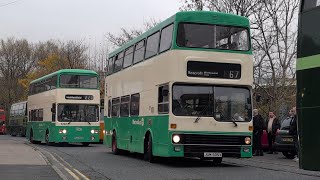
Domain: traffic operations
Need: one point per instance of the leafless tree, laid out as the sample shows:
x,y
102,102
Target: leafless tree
x,y
126,35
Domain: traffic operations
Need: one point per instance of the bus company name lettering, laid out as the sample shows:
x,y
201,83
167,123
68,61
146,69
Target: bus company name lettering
x,y
138,122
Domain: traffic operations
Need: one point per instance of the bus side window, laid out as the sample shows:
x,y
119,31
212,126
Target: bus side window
x,y
134,105
163,99
115,107
166,38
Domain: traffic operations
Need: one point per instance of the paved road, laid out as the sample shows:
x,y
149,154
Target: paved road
x,y
20,161
97,162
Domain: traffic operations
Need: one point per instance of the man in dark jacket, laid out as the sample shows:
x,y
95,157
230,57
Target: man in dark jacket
x,y
257,133
294,131
273,125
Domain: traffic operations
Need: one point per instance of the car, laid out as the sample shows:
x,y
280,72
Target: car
x,y
284,142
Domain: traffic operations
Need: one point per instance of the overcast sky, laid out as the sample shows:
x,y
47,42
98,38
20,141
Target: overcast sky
x,y
39,20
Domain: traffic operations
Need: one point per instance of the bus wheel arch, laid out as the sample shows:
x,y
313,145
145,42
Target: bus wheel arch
x,y
47,137
114,147
148,153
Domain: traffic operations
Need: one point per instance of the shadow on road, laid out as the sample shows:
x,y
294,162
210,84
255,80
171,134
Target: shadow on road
x,y
177,162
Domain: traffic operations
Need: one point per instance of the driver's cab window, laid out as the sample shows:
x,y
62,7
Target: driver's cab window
x,y
163,99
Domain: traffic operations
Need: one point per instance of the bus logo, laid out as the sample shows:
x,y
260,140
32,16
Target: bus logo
x,y
78,129
138,122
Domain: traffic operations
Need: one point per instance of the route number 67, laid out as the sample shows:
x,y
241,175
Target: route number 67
x,y
234,74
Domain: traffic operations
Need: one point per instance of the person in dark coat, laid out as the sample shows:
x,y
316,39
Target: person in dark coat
x,y
272,126
258,125
293,130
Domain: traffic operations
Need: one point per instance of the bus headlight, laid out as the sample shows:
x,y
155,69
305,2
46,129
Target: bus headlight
x,y
176,138
62,131
247,140
104,131
94,131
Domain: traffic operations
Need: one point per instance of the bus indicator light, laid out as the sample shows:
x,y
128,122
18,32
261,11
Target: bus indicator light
x,y
250,128
173,126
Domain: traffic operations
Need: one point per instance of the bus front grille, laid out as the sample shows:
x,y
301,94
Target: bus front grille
x,y
213,139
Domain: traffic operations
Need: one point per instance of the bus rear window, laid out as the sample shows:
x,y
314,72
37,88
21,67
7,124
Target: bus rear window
x,y
213,37
78,81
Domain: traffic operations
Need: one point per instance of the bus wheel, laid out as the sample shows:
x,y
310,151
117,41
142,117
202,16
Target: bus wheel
x,y
217,161
148,150
47,138
85,144
115,149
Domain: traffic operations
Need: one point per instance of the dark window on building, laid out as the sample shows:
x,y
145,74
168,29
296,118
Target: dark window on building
x,y
166,38
128,57
163,99
118,62
139,52
115,107
152,45
124,108
134,105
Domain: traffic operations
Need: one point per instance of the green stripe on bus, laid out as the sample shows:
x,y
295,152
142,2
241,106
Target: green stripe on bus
x,y
308,62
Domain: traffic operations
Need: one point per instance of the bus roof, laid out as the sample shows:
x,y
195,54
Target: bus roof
x,y
205,17
21,102
66,71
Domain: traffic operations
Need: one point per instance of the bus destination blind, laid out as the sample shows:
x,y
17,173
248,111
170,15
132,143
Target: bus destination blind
x,y
213,70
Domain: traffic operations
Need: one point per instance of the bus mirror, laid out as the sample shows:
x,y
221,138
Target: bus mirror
x,y
165,92
53,108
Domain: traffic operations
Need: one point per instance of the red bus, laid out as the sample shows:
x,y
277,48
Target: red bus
x,y
2,122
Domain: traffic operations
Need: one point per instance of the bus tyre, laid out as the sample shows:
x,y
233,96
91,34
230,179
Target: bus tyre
x,y
289,155
85,144
114,147
47,138
148,150
217,161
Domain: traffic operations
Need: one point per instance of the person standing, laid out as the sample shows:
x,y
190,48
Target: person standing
x,y
294,132
257,133
273,125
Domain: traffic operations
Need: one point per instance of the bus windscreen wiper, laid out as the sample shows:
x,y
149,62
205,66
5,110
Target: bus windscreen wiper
x,y
234,121
201,112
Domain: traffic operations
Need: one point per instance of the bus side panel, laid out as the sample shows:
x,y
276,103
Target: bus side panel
x,y
160,135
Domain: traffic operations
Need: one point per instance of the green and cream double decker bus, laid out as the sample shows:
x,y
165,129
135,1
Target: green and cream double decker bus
x,y
308,86
183,89
63,107
18,119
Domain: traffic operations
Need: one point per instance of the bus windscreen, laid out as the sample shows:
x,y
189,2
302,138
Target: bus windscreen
x,y
208,36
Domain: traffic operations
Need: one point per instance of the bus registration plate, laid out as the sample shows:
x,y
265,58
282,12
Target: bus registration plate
x,y
212,154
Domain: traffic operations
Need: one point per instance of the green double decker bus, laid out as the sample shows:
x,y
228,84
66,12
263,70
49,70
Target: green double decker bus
x,y
63,107
183,89
308,86
18,119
